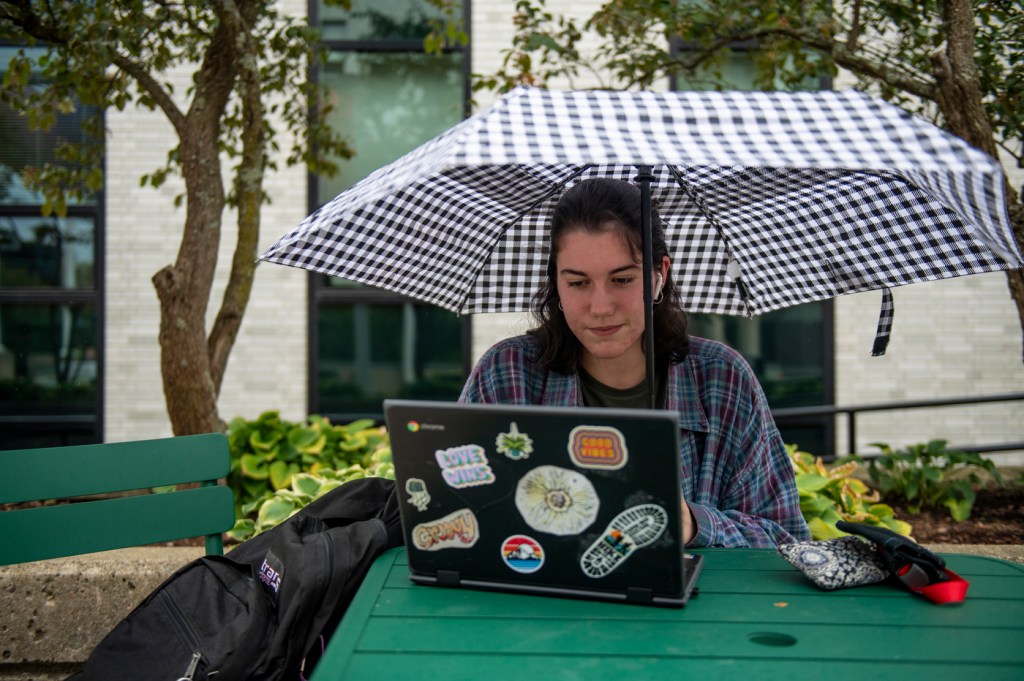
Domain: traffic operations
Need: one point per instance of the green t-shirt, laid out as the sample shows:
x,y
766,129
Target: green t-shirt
x,y
597,394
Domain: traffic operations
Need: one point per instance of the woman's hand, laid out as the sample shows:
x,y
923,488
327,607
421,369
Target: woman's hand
x,y
689,524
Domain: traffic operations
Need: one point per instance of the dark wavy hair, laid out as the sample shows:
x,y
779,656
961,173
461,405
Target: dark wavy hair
x,y
594,206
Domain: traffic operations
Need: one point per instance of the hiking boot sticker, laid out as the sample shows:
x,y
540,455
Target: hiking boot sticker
x,y
634,528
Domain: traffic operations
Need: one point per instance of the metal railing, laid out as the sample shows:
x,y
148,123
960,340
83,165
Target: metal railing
x,y
851,411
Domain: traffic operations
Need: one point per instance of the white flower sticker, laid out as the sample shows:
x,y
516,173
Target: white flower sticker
x,y
557,500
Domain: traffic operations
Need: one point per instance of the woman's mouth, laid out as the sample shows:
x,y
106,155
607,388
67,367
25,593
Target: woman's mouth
x,y
604,330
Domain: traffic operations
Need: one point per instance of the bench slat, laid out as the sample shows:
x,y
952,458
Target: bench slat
x,y
49,531
81,470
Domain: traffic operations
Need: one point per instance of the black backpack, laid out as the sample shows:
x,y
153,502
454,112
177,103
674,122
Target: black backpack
x,y
260,611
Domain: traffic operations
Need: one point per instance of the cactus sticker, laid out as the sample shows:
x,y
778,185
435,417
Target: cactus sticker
x,y
598,447
456,530
557,500
464,466
513,444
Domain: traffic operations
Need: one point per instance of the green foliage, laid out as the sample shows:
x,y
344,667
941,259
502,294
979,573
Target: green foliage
x,y
928,475
277,466
889,47
828,495
109,55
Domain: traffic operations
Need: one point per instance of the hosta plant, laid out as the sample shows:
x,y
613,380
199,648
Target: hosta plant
x,y
928,475
275,463
829,494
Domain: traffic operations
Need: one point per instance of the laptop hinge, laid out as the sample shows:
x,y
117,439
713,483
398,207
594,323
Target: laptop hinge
x,y
447,578
637,594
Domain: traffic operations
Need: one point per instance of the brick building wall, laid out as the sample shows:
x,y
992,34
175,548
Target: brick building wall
x,y
267,368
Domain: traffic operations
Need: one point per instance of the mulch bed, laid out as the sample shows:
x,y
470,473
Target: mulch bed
x,y
996,518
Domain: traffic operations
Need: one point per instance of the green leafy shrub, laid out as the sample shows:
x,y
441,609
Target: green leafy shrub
x,y
277,466
831,494
928,475
266,512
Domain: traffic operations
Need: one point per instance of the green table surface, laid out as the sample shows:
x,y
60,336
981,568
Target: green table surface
x,y
756,617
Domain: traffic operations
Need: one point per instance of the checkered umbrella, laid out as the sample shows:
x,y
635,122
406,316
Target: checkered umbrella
x,y
769,199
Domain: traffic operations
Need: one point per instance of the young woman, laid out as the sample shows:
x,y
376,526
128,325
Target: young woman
x,y
588,350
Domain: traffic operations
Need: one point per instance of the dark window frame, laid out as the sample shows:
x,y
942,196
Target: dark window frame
x,y
320,293
63,429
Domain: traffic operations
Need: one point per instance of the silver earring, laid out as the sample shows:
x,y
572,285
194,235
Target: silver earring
x,y
560,306
658,298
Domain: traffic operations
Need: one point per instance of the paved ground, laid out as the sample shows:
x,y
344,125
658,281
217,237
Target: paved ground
x,y
1014,552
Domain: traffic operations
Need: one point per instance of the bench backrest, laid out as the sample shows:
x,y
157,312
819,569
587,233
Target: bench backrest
x,y
100,524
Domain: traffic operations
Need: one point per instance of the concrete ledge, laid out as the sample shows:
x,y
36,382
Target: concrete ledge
x,y
54,612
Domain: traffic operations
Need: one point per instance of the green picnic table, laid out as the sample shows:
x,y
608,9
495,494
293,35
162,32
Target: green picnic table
x,y
755,618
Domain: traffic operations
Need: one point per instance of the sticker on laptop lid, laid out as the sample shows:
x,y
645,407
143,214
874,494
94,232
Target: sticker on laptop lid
x,y
514,444
634,528
522,553
457,530
601,447
464,466
557,500
418,494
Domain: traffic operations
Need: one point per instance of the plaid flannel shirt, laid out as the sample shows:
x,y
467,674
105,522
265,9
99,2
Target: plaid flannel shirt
x,y
737,477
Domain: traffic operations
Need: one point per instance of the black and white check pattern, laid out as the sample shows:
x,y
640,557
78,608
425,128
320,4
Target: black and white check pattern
x,y
808,195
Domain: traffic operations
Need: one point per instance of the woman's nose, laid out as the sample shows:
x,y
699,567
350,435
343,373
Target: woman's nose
x,y
602,301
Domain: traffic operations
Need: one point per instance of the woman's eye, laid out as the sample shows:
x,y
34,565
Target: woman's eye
x,y
624,281
576,284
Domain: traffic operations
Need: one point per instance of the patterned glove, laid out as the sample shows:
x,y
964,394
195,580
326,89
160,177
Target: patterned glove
x,y
837,563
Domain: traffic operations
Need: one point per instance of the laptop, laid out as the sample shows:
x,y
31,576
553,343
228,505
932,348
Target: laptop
x,y
556,501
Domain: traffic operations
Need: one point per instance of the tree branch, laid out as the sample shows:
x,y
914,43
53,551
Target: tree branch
x,y
240,24
148,84
853,35
840,51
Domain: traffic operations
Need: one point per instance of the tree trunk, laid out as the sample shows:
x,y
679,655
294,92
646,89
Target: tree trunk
x,y
184,288
184,292
960,101
248,190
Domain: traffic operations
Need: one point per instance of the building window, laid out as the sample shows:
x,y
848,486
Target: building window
x,y
790,350
389,97
51,346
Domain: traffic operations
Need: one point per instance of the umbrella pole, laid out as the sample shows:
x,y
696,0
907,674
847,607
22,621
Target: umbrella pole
x,y
644,177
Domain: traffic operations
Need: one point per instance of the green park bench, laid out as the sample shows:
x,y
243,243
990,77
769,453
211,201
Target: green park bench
x,y
98,517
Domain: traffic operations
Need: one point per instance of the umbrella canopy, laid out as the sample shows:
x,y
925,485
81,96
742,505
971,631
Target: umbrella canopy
x,y
768,199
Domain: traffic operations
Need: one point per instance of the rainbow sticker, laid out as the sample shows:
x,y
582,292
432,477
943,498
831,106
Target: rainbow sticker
x,y
522,554
600,447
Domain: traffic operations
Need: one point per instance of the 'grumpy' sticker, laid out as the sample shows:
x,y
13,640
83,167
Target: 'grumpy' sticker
x,y
456,530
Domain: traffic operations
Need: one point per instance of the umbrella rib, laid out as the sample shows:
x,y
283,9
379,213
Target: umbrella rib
x,y
518,217
702,207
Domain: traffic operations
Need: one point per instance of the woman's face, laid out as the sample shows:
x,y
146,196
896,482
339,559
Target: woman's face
x,y
600,287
